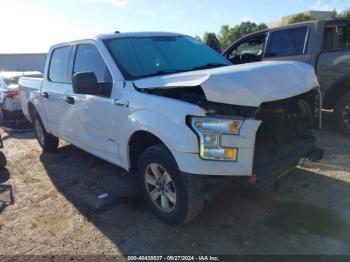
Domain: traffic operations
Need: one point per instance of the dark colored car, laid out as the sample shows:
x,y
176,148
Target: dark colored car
x,y
325,44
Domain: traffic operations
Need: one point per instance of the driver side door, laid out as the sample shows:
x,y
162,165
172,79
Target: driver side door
x,y
93,116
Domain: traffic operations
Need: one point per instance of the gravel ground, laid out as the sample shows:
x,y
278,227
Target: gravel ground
x,y
55,208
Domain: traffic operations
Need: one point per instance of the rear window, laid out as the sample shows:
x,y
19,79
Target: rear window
x,y
59,64
288,42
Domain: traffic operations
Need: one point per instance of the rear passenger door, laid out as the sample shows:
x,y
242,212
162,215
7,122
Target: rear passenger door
x,y
333,63
289,44
55,89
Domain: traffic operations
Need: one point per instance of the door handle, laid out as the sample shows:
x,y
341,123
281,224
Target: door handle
x,y
70,100
45,95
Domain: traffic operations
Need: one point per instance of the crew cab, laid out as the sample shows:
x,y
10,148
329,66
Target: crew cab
x,y
174,113
324,44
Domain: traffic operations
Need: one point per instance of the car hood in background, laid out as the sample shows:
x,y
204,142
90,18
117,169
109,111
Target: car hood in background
x,y
246,85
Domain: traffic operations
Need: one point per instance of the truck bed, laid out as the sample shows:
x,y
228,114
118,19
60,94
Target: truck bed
x,y
29,86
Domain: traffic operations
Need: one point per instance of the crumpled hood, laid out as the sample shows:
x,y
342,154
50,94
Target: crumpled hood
x,y
246,85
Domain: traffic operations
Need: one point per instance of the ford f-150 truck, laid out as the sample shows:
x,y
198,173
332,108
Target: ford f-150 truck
x,y
324,44
174,113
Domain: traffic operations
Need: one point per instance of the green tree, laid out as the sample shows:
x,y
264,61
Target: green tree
x,y
228,35
301,18
205,37
341,15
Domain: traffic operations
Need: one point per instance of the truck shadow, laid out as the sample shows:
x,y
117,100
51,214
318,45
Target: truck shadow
x,y
309,208
16,134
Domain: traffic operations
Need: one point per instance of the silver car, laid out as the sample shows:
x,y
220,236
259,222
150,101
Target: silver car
x,y
10,106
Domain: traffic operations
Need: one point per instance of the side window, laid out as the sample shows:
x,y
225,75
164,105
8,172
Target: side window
x,y
59,65
328,37
288,42
88,59
248,51
336,36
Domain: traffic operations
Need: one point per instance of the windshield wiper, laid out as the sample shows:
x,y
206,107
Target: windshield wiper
x,y
164,72
209,65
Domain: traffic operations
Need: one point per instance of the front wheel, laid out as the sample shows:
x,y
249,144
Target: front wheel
x,y
47,141
342,113
169,194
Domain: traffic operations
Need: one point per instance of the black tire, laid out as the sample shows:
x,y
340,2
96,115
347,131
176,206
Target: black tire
x,y
3,115
342,113
3,160
189,197
47,141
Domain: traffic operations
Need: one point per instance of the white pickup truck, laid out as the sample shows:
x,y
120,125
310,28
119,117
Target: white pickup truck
x,y
174,113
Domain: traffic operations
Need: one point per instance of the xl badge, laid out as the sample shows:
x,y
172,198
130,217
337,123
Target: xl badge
x,y
121,103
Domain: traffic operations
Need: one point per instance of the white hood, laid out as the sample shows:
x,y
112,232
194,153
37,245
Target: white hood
x,y
247,85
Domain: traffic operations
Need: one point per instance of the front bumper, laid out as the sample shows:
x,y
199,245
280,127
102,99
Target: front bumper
x,y
250,160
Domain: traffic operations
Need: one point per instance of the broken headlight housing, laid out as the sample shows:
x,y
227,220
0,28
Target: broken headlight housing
x,y
209,131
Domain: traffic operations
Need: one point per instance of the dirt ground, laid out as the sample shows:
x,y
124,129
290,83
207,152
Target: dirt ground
x,y
55,208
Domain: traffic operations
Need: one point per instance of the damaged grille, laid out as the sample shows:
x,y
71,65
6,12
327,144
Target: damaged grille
x,y
286,128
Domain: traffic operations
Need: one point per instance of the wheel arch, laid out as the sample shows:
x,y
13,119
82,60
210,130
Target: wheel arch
x,y
139,141
335,91
31,110
175,135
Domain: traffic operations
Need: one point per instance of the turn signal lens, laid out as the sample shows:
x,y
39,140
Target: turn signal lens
x,y
230,153
234,127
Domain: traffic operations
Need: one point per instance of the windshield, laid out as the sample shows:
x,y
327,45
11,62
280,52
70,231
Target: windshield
x,y
139,57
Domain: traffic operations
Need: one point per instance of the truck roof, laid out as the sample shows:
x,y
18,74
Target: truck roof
x,y
324,21
135,34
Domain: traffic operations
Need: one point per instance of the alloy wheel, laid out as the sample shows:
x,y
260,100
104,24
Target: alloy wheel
x,y
160,187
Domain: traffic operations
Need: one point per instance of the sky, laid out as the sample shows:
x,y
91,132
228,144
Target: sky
x,y
29,26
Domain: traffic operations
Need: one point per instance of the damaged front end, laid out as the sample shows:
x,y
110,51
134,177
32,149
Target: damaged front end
x,y
286,135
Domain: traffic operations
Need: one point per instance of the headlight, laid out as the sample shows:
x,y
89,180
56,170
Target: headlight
x,y
209,131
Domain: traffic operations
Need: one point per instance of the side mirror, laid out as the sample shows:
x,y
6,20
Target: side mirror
x,y
85,83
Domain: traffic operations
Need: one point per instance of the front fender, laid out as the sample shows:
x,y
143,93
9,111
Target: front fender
x,y
177,136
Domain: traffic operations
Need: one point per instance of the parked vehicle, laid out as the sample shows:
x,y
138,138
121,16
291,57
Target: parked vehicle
x,y
3,159
176,113
10,106
324,44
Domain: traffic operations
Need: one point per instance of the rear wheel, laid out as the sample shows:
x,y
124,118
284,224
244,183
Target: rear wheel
x,y
342,113
47,141
3,160
3,114
171,196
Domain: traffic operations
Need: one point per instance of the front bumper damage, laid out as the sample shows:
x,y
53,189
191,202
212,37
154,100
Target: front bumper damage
x,y
269,145
268,169
265,175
